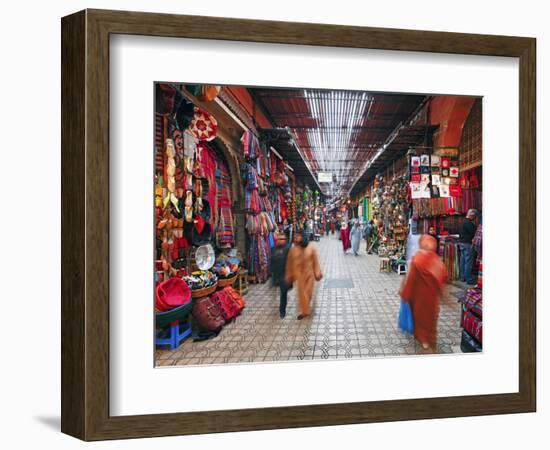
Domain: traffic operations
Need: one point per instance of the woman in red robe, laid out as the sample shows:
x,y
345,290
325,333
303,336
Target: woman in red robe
x,y
423,288
344,237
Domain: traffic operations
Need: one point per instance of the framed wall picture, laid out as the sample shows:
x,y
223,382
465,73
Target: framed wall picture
x,y
191,154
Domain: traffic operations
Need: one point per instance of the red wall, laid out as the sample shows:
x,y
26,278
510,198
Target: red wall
x,y
245,99
450,113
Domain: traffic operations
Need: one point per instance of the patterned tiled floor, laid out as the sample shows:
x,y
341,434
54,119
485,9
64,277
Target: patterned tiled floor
x,y
354,316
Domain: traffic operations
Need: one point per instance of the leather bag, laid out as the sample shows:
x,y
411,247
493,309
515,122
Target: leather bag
x,y
208,314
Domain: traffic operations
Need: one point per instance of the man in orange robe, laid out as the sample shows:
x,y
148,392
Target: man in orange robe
x,y
304,269
423,288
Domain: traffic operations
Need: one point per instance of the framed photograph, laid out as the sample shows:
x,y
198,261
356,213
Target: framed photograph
x,y
248,241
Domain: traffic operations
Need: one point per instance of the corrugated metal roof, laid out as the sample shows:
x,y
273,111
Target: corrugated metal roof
x,y
337,131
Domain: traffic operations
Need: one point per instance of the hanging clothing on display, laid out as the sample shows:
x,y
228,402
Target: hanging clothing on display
x,y
225,235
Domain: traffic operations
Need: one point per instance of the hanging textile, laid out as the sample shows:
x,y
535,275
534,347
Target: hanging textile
x,y
251,145
449,252
225,235
206,169
477,244
431,207
259,201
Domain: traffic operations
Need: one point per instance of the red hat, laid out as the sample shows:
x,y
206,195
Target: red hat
x,y
172,293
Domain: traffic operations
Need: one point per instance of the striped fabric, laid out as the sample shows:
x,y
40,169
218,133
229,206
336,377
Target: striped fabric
x,y
448,249
432,207
225,234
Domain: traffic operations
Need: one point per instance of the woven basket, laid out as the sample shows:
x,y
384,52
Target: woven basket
x,y
224,282
203,292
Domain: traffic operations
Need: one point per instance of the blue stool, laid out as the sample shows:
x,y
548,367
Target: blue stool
x,y
172,321
177,333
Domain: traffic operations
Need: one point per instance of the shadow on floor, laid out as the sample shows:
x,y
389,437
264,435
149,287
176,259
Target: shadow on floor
x,y
52,422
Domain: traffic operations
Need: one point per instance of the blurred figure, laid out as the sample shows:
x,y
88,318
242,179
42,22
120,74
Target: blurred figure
x,y
467,232
338,227
332,226
422,289
278,266
308,226
356,234
367,234
303,268
344,236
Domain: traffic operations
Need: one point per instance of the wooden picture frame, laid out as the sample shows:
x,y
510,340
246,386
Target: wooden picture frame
x,y
85,224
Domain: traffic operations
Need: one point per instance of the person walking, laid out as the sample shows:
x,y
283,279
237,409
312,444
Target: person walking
x,y
303,268
422,289
467,232
344,236
356,235
367,234
278,265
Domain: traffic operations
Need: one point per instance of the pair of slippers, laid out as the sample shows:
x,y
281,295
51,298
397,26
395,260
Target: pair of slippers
x,y
171,198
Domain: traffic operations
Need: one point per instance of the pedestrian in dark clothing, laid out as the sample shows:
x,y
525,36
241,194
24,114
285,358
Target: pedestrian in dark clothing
x,y
367,234
467,232
278,267
433,234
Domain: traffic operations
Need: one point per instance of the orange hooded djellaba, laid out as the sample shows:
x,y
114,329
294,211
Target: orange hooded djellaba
x,y
423,288
304,269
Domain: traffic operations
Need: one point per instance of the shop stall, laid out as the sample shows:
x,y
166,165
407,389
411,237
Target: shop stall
x,y
196,258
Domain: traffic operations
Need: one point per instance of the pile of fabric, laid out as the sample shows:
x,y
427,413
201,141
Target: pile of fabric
x,y
431,207
441,224
472,321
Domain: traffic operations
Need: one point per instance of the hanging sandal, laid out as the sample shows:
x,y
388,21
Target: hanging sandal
x,y
189,165
198,188
189,207
188,182
171,168
198,205
174,201
171,184
166,200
